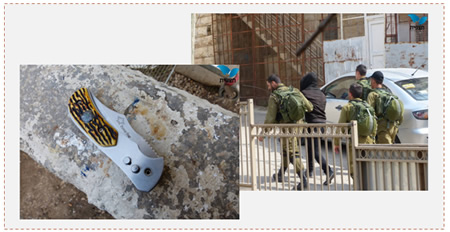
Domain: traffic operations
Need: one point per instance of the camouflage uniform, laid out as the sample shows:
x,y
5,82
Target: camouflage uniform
x,y
347,113
386,131
365,83
289,145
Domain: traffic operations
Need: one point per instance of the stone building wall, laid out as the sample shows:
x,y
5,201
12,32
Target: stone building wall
x,y
203,45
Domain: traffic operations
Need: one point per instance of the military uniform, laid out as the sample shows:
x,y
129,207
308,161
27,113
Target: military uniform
x,y
289,145
386,131
365,83
347,114
273,116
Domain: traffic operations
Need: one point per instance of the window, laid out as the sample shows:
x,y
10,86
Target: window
x,y
391,28
402,28
417,88
339,88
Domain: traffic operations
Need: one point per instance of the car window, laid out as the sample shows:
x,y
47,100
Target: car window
x,y
417,87
339,88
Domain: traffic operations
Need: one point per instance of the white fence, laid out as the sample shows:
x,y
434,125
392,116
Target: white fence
x,y
263,148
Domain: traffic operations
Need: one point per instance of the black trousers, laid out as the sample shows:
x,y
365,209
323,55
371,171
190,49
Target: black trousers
x,y
314,142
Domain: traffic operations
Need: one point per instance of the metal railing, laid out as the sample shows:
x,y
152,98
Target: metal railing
x,y
281,145
246,171
268,148
393,167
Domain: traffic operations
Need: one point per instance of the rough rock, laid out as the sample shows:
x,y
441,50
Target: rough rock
x,y
198,140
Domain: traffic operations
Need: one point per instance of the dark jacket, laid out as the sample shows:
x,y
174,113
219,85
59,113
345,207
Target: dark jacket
x,y
308,86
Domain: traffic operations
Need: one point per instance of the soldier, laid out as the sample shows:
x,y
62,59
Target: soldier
x,y
387,129
361,79
348,113
273,116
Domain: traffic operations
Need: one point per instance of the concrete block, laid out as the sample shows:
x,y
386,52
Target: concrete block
x,y
204,20
204,42
204,60
204,52
202,31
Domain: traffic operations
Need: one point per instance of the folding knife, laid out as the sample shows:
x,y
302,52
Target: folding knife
x,y
115,137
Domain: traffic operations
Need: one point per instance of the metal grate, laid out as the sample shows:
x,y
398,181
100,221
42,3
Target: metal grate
x,y
159,72
263,44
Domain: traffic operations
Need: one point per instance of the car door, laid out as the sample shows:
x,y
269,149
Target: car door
x,y
337,96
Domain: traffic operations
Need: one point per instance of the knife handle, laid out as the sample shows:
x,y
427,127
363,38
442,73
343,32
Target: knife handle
x,y
83,110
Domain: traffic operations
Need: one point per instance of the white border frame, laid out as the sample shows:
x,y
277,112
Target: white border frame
x,y
35,35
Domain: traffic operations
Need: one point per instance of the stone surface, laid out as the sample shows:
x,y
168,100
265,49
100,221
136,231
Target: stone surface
x,y
203,40
198,140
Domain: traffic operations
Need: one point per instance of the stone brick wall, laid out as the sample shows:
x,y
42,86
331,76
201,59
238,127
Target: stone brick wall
x,y
203,46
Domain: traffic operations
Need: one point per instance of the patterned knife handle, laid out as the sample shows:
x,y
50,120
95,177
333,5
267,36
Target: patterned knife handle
x,y
83,110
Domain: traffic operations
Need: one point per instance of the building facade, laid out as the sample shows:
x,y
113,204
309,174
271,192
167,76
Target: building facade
x,y
263,44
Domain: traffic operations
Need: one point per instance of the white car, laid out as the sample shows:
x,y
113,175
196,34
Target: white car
x,y
411,87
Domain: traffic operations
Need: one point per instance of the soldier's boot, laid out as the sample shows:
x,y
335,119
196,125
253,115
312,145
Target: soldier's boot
x,y
330,176
279,177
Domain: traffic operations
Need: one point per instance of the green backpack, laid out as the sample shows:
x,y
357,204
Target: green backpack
x,y
365,83
291,105
388,106
364,115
